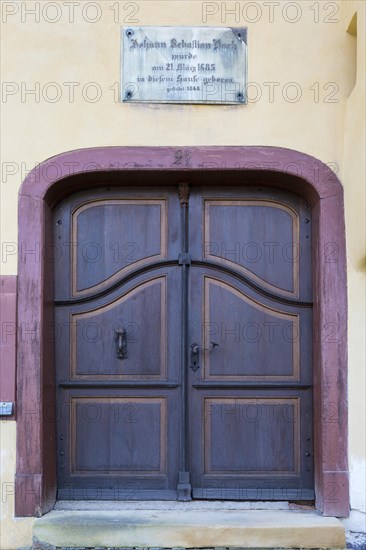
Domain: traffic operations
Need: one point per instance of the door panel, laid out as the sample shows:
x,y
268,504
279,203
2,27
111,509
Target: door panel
x,y
118,359
121,444
97,226
254,444
257,342
260,233
251,395
260,424
250,400
135,445
107,234
142,313
258,237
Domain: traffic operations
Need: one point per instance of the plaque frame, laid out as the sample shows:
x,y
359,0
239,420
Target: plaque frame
x,y
221,51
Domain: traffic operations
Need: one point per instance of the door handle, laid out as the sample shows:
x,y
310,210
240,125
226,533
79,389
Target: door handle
x,y
121,343
195,354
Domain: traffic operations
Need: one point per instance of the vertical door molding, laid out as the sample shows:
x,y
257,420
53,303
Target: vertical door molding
x,y
49,182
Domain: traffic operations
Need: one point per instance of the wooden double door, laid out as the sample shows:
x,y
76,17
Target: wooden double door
x,y
184,344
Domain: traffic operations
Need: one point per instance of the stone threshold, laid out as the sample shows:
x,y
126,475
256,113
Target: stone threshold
x,y
187,529
87,505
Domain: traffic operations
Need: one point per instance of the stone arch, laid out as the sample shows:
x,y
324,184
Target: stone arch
x,y
49,182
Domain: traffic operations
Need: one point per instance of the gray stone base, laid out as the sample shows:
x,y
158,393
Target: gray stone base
x,y
161,529
356,541
41,547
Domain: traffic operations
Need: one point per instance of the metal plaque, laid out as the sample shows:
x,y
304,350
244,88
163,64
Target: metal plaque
x,y
184,65
6,408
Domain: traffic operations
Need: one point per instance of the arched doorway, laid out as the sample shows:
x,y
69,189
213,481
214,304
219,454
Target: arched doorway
x,y
218,167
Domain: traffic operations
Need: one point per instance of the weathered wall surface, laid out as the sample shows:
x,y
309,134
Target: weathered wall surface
x,y
61,68
353,178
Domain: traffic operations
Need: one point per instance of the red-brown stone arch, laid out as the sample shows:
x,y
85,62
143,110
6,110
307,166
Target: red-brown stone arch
x,y
85,168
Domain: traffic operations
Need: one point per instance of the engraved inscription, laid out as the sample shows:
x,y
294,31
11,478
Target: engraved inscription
x,y
184,65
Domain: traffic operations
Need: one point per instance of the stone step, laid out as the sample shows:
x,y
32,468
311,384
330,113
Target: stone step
x,y
234,529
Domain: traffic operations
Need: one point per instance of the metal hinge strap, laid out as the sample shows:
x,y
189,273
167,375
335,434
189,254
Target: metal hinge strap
x,y
184,258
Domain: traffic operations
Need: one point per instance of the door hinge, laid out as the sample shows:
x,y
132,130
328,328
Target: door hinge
x,y
184,259
184,488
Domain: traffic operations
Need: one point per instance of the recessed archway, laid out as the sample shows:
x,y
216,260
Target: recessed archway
x,y
86,168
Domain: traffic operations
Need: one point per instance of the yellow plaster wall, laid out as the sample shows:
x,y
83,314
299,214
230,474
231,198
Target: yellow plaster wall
x,y
315,54
13,532
353,178
308,53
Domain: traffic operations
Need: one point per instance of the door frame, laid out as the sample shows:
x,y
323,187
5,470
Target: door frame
x,y
50,181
